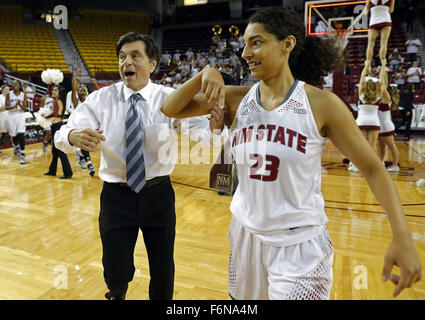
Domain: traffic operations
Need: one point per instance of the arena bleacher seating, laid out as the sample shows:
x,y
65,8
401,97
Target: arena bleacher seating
x,y
97,32
28,48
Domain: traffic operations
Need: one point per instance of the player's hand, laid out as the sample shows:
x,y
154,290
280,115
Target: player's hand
x,y
217,118
86,139
405,256
213,86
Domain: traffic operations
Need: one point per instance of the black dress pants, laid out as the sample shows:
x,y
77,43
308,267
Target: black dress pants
x,y
56,153
122,213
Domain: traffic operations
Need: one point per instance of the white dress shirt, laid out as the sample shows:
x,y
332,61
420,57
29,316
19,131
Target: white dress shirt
x,y
414,73
106,109
412,45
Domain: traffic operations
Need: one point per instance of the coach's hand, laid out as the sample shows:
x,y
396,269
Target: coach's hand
x,y
86,139
217,118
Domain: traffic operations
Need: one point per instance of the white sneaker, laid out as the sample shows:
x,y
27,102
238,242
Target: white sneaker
x,y
393,168
353,168
21,155
82,164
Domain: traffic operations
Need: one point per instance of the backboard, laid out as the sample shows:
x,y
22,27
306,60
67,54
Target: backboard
x,y
323,16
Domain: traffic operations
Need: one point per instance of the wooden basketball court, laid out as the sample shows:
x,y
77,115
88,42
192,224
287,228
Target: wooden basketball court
x,y
50,246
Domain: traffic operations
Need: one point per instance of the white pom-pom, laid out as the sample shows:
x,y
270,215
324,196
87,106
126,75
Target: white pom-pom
x,y
52,76
45,77
41,120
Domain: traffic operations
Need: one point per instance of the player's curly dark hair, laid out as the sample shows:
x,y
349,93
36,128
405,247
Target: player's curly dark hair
x,y
312,57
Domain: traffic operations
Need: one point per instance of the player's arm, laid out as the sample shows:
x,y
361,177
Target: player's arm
x,y
43,101
25,102
94,83
60,108
186,101
337,123
7,102
386,98
75,87
367,7
392,6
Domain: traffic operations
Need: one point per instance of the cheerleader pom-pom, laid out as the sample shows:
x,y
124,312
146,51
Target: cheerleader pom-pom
x,y
56,76
52,76
45,111
42,121
45,77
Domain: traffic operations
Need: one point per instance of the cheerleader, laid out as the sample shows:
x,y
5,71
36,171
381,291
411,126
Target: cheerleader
x,y
17,126
386,134
380,24
370,91
57,118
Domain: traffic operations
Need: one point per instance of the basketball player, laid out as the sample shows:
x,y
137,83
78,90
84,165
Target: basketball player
x,y
280,247
79,95
4,113
387,128
47,101
17,126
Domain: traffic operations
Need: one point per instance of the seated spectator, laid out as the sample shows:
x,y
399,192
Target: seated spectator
x,y
195,70
235,45
321,28
398,78
412,48
233,59
406,107
176,57
413,75
189,54
395,59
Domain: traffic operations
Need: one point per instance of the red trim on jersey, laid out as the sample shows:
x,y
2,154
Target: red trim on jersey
x,y
384,107
380,25
386,134
55,113
370,127
379,3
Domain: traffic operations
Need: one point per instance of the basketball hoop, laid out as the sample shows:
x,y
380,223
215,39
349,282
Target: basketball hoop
x,y
340,36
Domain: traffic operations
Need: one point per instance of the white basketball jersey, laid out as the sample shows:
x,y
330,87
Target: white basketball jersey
x,y
278,157
14,101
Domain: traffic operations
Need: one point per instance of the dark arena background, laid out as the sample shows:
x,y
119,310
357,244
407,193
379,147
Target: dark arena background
x,y
50,247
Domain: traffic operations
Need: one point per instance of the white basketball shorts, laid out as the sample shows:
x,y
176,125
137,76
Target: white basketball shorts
x,y
258,271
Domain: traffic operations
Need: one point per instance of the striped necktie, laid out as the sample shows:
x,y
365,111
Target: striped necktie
x,y
135,163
